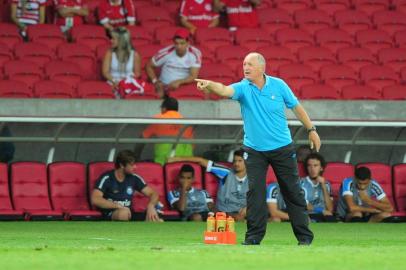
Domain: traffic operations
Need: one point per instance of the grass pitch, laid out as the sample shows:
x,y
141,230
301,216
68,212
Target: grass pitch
x,y
176,245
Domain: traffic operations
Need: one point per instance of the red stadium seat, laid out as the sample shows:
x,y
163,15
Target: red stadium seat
x,y
270,176
394,58
153,175
378,76
95,170
297,75
400,5
188,91
352,21
374,40
319,91
400,39
394,92
399,186
90,35
334,39
24,71
273,19
360,92
292,5
154,17
172,172
95,90
9,35
403,75
316,57
335,173
164,35
331,6
312,20
382,173
233,56
217,72
294,39
5,56
15,89
276,56
212,38
29,189
207,55
65,71
371,6
147,51
53,89
139,35
80,55
68,190
356,58
6,209
47,34
252,38
338,76
390,21
34,52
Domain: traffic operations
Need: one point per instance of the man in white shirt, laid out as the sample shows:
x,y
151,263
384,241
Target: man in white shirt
x,y
180,64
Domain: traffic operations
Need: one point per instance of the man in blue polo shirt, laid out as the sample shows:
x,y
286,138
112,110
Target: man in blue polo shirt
x,y
267,141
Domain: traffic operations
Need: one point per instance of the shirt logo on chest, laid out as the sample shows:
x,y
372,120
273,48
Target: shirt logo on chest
x,y
130,190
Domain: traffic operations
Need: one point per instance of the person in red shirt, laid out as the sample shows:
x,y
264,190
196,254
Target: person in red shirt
x,y
27,12
70,13
198,14
113,13
240,13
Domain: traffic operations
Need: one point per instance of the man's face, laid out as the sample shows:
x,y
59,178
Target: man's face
x,y
252,68
363,184
180,46
238,164
186,179
314,168
129,168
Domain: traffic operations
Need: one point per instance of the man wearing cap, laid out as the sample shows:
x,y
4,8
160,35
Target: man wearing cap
x,y
180,64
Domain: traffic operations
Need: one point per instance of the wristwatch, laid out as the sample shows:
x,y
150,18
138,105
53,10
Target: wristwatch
x,y
313,128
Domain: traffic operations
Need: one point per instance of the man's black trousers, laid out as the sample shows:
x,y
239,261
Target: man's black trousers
x,y
284,164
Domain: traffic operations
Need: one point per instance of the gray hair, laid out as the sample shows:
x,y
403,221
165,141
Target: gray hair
x,y
261,60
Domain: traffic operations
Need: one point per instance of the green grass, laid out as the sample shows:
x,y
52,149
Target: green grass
x,y
173,245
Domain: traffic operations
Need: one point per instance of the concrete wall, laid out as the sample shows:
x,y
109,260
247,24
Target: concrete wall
x,y
224,109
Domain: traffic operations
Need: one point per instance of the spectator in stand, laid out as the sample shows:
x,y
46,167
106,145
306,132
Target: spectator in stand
x,y
194,204
114,13
363,199
27,12
70,13
196,14
318,190
121,62
180,64
169,109
240,13
232,184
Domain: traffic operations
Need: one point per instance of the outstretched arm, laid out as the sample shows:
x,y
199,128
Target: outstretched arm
x,y
214,87
203,162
